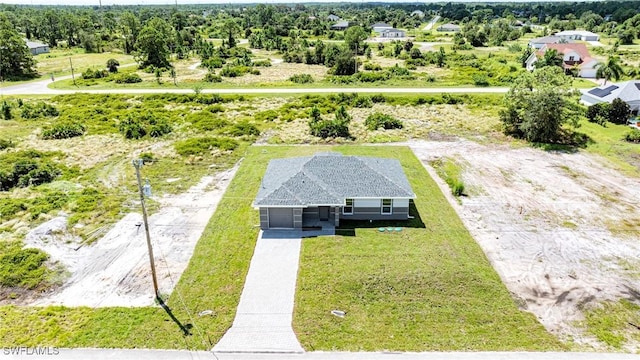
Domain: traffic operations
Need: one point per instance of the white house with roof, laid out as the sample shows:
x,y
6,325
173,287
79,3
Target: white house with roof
x,y
330,187
392,33
418,13
537,43
333,17
380,27
37,47
448,28
573,56
578,35
627,91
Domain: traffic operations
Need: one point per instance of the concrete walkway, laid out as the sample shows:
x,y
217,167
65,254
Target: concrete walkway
x,y
265,312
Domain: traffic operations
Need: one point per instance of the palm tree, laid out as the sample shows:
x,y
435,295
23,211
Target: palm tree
x,y
551,57
609,70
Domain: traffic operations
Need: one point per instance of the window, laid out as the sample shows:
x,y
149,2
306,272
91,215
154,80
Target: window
x,y
571,58
347,209
386,206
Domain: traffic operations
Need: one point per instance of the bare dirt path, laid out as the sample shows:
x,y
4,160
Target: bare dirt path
x,y
560,229
115,271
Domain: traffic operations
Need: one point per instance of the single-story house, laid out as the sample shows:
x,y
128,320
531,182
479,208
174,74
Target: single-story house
x,y
448,28
37,47
392,33
537,43
330,187
573,55
627,91
340,25
418,13
380,27
332,17
578,35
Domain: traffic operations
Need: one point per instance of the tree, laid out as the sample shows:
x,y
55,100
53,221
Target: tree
x,y
153,43
16,60
609,70
345,62
112,65
619,112
441,57
539,104
551,57
173,74
230,29
354,37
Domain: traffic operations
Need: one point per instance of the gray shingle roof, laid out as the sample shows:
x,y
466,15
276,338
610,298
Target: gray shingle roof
x,y
329,178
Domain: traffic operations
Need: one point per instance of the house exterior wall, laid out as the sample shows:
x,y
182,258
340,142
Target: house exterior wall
x,y
39,50
394,34
588,73
371,209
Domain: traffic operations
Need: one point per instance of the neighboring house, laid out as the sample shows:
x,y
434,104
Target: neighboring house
x,y
332,17
627,91
573,56
380,27
392,33
340,25
418,13
448,28
578,35
330,187
537,43
37,47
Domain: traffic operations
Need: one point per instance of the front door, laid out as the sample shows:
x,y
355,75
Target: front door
x,y
324,213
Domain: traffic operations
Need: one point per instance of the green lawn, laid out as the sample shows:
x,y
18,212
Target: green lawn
x,y
609,142
426,288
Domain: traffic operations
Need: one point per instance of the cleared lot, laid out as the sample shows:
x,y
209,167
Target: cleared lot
x,y
561,229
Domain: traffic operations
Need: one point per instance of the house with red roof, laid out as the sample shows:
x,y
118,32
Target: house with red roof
x,y
574,56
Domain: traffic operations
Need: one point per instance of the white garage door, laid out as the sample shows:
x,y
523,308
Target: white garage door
x,y
280,218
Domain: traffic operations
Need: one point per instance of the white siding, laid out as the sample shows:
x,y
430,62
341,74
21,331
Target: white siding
x,y
366,202
401,203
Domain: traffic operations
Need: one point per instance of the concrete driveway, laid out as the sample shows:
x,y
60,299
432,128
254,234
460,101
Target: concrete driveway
x,y
263,320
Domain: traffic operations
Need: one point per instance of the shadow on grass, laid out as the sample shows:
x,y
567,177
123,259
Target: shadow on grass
x,y
568,142
348,227
185,328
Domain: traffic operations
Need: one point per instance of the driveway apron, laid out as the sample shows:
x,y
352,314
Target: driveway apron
x,y
264,315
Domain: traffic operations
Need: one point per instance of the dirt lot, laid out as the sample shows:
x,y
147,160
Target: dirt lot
x,y
561,229
115,271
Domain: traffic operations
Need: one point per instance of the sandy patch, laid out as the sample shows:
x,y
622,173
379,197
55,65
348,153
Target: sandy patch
x,y
559,228
115,271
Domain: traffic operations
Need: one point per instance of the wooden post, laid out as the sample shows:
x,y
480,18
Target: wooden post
x,y
137,164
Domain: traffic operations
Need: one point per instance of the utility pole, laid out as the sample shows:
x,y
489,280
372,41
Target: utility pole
x,y
137,164
72,75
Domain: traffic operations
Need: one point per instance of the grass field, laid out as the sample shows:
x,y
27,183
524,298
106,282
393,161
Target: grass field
x,y
429,287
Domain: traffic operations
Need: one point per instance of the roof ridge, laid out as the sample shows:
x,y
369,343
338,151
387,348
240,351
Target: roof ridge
x,y
319,181
383,175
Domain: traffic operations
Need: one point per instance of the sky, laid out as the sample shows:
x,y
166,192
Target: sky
x,y
150,2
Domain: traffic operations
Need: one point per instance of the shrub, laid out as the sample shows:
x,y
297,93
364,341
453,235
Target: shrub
x,y
132,128
598,113
63,130
128,78
26,167
379,120
378,98
146,158
22,267
213,63
37,110
633,136
203,145
619,111
372,66
301,78
160,128
5,111
362,102
206,121
112,65
5,144
244,128
212,78
338,127
262,63
480,80
95,73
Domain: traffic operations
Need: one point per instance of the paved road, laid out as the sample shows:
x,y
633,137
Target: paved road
x,y
98,354
40,88
263,320
431,23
